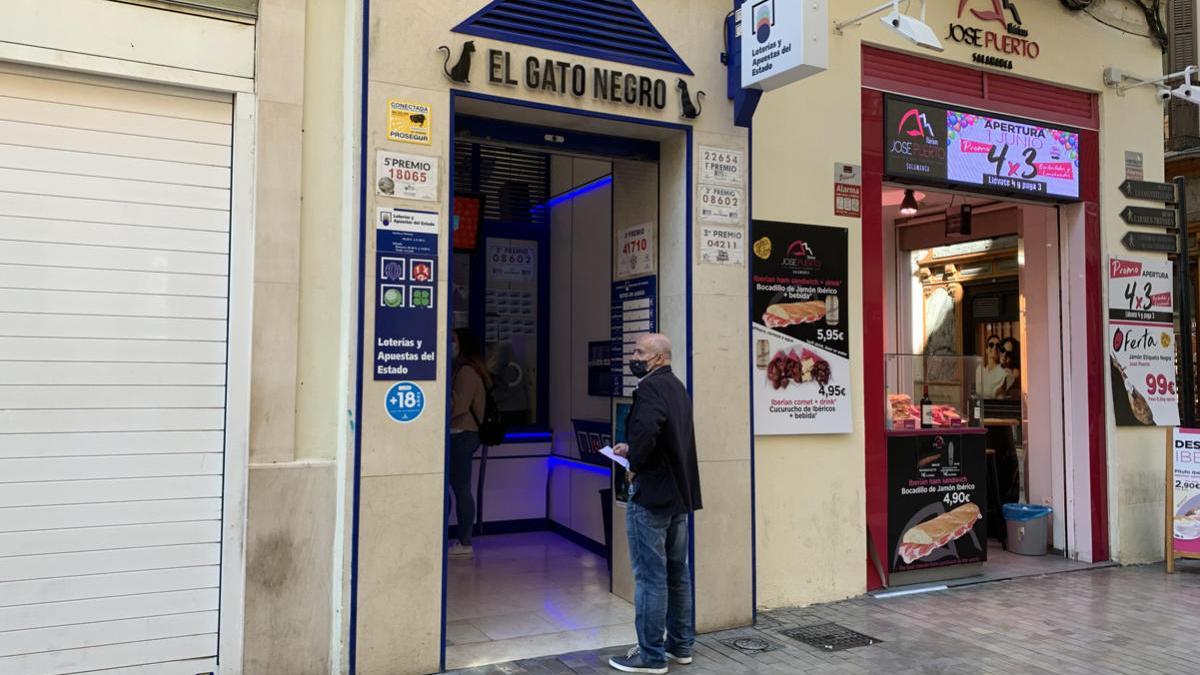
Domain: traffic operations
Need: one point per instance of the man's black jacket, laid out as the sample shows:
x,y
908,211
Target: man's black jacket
x,y
662,445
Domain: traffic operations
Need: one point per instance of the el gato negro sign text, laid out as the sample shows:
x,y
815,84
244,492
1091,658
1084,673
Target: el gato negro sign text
x,y
563,77
1002,36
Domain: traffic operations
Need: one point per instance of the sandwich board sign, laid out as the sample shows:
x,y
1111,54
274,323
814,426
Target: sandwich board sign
x,y
1183,495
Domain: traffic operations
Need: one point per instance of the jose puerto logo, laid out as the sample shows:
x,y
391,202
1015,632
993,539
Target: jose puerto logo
x,y
915,123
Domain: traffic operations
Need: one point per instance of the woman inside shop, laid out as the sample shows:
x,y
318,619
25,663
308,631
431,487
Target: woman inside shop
x,y
1010,360
991,374
467,400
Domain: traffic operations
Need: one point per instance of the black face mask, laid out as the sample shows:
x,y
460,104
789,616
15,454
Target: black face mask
x,y
638,368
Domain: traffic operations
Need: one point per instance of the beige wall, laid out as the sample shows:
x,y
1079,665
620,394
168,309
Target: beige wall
x,y
297,392
810,490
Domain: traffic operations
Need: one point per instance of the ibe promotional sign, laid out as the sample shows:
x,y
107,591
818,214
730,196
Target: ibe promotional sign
x,y
1141,348
1185,487
800,329
405,288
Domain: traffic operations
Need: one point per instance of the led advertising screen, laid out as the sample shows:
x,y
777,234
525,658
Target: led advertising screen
x,y
939,145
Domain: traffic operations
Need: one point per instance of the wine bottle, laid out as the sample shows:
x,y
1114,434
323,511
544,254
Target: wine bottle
x,y
926,410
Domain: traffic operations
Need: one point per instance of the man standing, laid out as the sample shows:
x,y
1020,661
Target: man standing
x,y
665,490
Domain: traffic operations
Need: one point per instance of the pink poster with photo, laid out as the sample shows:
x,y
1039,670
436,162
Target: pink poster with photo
x,y
1011,155
1185,483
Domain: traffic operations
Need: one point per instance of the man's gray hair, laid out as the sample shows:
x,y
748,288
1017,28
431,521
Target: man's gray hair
x,y
659,344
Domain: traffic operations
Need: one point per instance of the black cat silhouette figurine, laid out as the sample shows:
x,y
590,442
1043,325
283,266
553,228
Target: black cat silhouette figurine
x,y
461,72
690,111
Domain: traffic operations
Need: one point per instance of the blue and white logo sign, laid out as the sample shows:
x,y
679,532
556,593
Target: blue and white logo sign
x,y
405,402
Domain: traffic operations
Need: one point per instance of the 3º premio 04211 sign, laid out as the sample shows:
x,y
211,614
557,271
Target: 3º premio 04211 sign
x,y
960,147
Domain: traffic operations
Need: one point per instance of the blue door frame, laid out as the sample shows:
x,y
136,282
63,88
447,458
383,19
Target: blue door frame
x,y
360,330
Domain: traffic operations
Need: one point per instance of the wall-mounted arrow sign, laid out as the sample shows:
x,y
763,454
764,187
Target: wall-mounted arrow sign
x,y
1150,241
1142,215
1155,192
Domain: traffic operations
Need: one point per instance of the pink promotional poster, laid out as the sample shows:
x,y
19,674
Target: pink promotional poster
x,y
1011,155
1186,490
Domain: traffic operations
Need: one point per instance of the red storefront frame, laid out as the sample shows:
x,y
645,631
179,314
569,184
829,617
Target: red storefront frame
x,y
902,73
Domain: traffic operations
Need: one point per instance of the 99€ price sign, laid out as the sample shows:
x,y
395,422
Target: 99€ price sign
x,y
1141,342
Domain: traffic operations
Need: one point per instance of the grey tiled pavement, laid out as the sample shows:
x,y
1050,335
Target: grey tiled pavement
x,y
1131,621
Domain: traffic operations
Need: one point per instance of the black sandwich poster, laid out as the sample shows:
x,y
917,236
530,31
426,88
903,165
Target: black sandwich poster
x,y
937,500
800,329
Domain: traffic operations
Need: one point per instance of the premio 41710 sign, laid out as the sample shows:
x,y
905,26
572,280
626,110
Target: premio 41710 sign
x,y
1141,347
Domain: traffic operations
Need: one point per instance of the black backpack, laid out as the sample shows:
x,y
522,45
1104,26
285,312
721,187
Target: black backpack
x,y
491,428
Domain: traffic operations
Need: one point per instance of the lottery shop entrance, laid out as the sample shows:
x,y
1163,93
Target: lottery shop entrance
x,y
556,271
981,236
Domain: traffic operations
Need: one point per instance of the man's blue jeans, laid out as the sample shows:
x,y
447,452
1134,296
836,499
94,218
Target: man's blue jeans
x,y
658,548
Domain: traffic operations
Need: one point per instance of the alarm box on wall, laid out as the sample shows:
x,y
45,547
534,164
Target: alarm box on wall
x,y
783,41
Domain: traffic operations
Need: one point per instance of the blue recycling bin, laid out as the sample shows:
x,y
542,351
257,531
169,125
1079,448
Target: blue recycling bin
x,y
1027,528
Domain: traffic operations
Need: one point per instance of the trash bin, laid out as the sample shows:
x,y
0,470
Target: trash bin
x,y
606,500
1026,526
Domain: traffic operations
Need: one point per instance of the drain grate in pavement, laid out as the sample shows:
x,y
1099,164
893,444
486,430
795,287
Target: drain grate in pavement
x,y
830,637
751,645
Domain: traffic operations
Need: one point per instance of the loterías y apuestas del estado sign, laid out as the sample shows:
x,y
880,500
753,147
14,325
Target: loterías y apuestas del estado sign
x,y
570,79
1000,35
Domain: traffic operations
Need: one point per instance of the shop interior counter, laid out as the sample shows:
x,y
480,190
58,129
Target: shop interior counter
x,y
937,498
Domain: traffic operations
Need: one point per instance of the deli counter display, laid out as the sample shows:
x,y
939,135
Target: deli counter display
x,y
936,468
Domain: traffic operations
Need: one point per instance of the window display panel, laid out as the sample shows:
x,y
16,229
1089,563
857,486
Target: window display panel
x,y
953,146
511,326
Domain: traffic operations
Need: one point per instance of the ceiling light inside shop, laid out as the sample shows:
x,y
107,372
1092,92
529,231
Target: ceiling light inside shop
x,y
908,207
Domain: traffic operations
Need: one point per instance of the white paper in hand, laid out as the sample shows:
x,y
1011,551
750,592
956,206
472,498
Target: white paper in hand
x,y
607,451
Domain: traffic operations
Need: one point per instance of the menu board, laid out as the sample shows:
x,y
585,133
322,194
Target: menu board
x,y
937,499
800,325
963,148
1184,492
634,314
1141,334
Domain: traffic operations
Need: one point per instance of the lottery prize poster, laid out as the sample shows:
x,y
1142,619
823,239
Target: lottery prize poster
x,y
634,313
937,499
800,320
405,316
1141,342
1185,487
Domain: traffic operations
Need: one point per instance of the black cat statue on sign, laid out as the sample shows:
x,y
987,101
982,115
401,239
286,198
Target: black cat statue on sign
x,y
461,71
689,110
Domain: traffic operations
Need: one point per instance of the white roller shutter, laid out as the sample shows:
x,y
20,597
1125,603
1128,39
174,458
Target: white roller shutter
x,y
114,300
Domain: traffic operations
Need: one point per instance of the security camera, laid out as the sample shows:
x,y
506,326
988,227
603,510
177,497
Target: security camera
x,y
1164,94
1187,91
916,30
